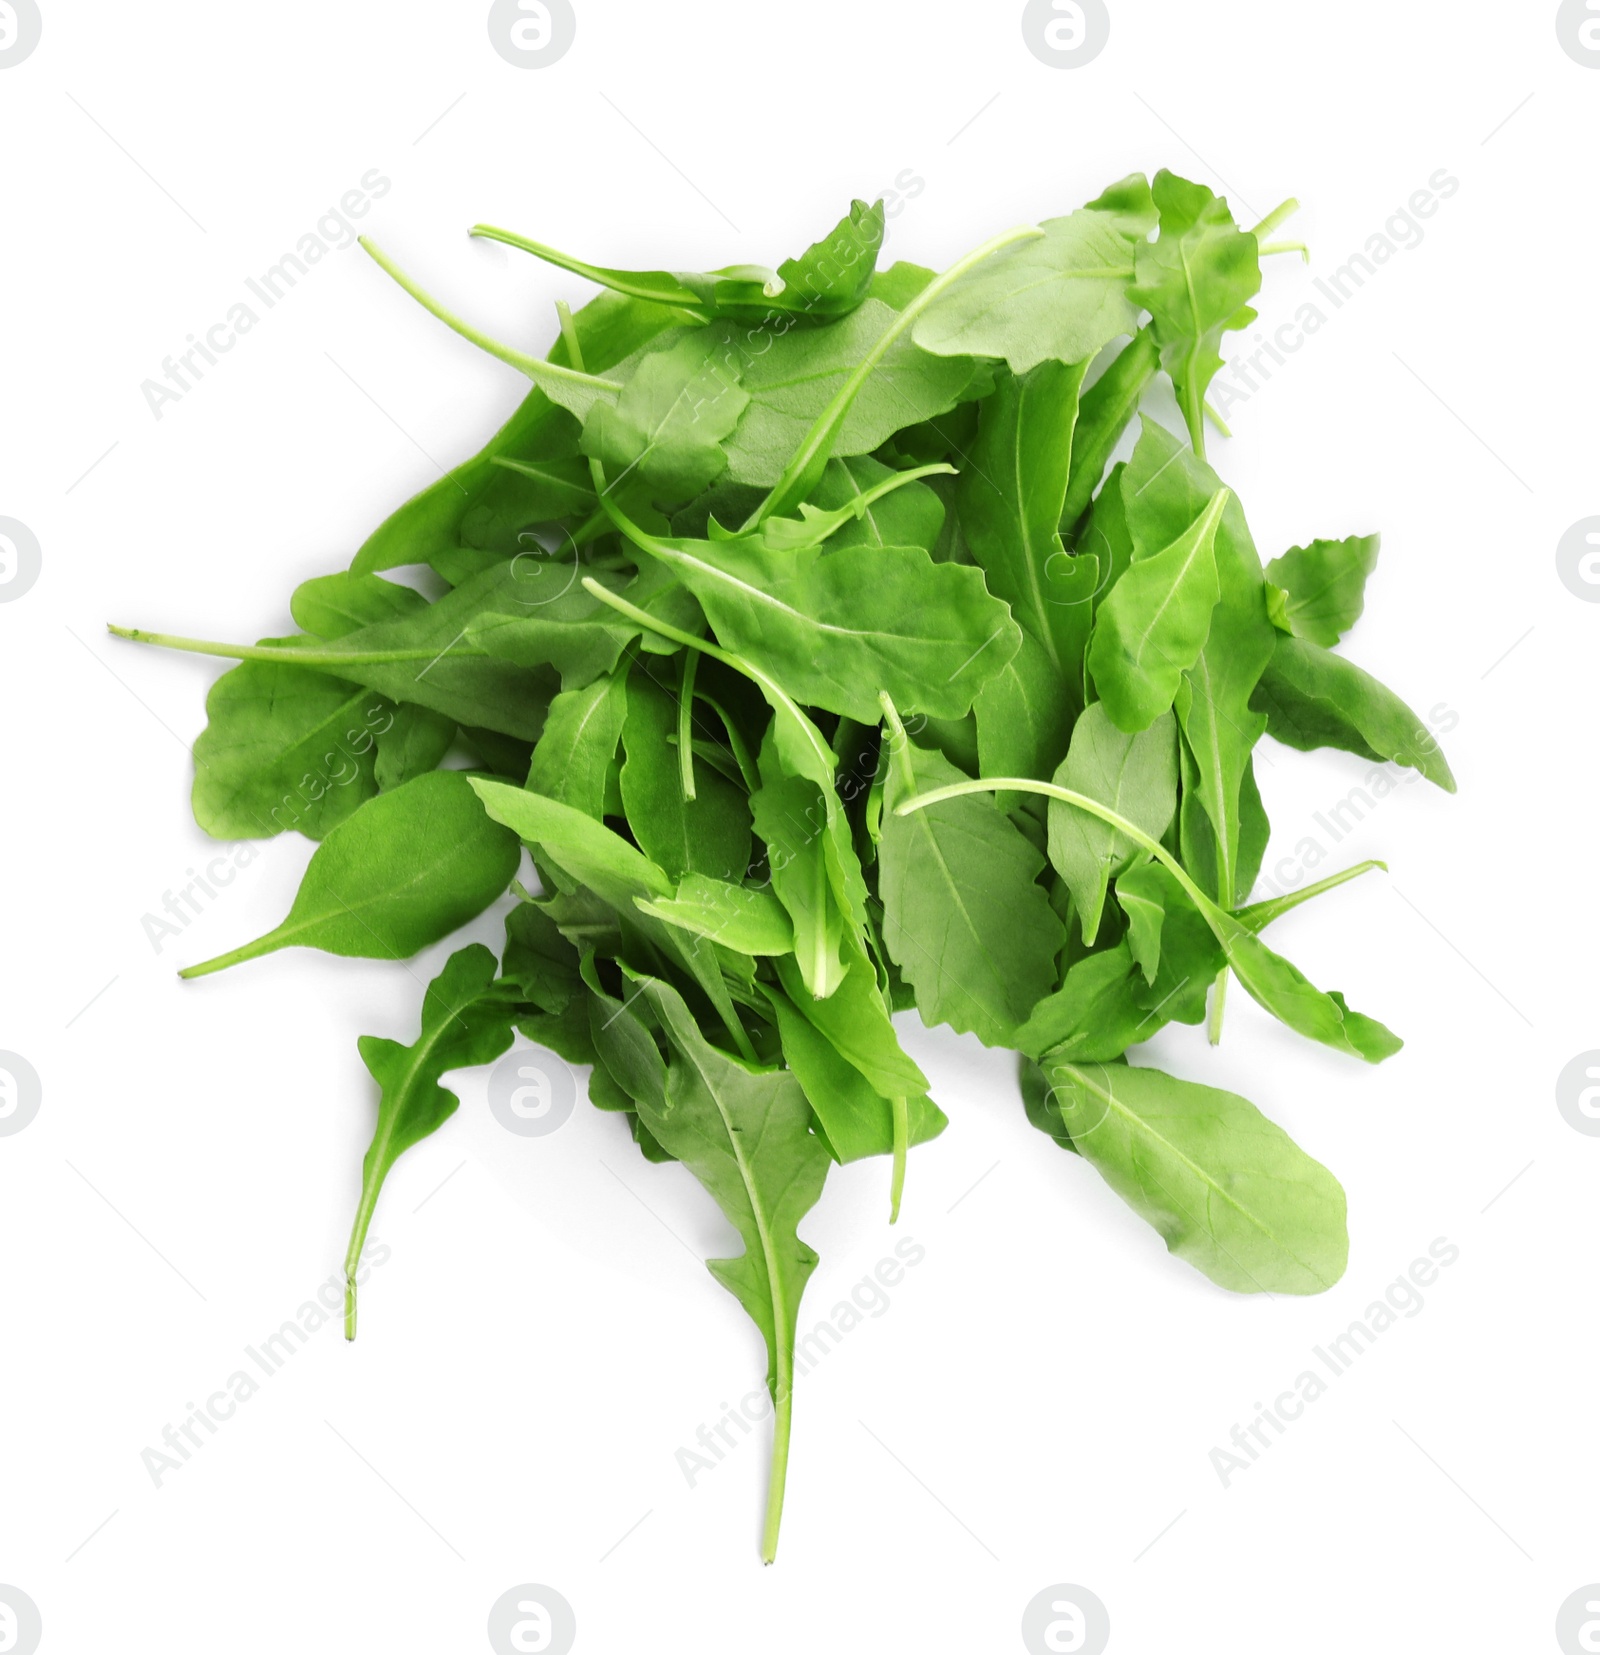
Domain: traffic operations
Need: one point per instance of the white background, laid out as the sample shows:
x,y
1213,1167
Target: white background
x,y
1041,1399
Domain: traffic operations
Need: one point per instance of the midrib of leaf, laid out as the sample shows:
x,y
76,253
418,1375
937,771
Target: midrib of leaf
x,y
775,1293
1046,633
1213,1188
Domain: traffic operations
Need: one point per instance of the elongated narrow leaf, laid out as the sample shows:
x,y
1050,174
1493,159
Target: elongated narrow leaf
x,y
405,870
746,1135
747,918
1227,1190
1313,698
1152,627
466,1020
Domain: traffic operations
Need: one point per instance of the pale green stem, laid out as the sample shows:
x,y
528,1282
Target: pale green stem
x,y
691,660
324,658
534,367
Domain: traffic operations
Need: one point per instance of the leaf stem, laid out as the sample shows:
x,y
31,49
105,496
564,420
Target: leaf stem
x,y
801,473
534,367
289,654
617,280
691,662
1281,214
782,1425
900,1114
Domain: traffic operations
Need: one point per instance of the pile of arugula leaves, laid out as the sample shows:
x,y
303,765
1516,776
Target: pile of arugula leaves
x,y
801,626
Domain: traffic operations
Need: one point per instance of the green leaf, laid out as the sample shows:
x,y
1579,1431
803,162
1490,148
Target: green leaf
x,y
1227,1190
1196,280
792,376
1137,777
332,605
746,918
1313,698
1024,713
1060,296
574,757
1323,586
791,817
414,742
1010,498
1165,484
667,428
746,1135
965,918
836,628
709,834
1095,1015
285,747
466,1021
402,872
1153,626
587,849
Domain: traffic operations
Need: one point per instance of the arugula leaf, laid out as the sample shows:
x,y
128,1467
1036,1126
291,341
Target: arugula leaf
x,y
1153,626
573,760
1060,295
1227,1190
964,916
466,1021
1196,280
1010,497
667,427
405,870
1317,591
285,747
1313,698
835,628
1137,777
747,918
746,1135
